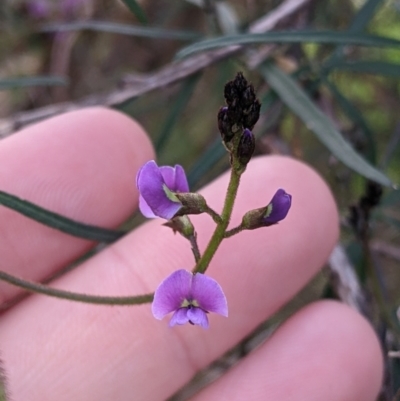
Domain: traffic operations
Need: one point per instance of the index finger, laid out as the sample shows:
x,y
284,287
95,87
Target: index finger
x,y
81,165
124,353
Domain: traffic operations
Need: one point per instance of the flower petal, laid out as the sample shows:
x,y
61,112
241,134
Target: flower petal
x,y
209,295
175,178
179,317
150,183
181,182
278,207
170,294
145,209
198,316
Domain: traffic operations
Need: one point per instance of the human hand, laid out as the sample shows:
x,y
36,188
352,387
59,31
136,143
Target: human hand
x,y
83,165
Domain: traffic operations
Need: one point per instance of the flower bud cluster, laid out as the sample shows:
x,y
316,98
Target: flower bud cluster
x,y
237,119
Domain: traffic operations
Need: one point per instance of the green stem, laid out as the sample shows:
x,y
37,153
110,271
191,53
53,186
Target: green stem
x,y
72,296
195,248
219,232
214,215
233,231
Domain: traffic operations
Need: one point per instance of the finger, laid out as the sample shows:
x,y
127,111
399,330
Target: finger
x,y
258,270
327,352
81,165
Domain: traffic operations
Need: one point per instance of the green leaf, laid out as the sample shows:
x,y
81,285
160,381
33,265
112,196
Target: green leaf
x,y
177,109
354,114
331,37
122,29
22,82
135,9
299,102
59,222
367,11
368,67
358,24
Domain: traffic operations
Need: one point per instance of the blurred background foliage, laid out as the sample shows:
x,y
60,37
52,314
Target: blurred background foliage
x,y
63,52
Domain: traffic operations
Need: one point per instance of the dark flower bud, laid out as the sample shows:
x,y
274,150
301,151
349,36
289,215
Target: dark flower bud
x,y
246,147
248,96
224,125
252,116
274,212
192,203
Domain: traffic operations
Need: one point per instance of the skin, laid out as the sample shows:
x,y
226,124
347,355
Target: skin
x,y
83,165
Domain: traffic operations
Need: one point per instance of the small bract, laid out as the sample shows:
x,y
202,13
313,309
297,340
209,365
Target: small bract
x,y
190,296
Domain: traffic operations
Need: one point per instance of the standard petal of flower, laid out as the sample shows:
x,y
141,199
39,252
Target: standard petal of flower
x,y
209,295
171,293
281,203
198,316
179,317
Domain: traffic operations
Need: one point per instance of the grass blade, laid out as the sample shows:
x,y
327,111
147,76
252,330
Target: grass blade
x,y
23,82
57,221
122,29
354,114
177,109
330,37
136,10
299,102
368,67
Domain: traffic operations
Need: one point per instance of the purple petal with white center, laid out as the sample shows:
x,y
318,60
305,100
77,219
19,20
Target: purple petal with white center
x,y
281,203
179,317
198,316
170,294
209,295
155,201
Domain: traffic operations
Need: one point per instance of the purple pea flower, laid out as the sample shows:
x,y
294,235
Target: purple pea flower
x,y
278,208
157,186
190,296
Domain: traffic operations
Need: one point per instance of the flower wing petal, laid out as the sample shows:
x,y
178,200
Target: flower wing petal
x,y
179,317
209,294
181,182
168,174
171,292
198,316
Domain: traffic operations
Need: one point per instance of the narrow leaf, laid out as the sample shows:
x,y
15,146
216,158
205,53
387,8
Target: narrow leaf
x,y
57,221
122,29
358,24
354,114
177,109
135,9
301,105
368,67
22,82
365,14
331,37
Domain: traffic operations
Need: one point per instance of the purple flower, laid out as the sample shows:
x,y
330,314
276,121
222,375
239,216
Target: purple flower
x,y
278,208
190,296
157,186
